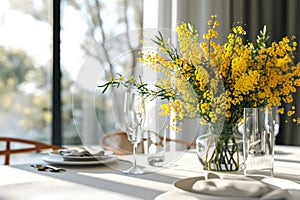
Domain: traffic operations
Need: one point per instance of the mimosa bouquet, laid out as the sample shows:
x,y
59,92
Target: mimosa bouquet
x,y
215,82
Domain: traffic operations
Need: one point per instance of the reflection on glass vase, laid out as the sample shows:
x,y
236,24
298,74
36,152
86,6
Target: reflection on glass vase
x,y
220,152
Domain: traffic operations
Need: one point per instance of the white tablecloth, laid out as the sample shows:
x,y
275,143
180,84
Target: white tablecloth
x,y
102,182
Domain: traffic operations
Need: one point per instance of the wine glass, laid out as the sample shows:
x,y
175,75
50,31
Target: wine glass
x,y
134,114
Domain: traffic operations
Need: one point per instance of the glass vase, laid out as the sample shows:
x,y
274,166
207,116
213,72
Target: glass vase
x,y
220,152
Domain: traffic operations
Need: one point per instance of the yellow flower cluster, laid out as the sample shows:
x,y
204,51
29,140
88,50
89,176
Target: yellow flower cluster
x,y
211,80
215,82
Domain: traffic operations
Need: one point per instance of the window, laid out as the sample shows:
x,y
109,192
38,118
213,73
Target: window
x,y
85,25
26,59
25,69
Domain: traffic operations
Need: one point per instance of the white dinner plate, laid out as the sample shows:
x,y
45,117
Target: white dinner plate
x,y
185,186
59,160
81,158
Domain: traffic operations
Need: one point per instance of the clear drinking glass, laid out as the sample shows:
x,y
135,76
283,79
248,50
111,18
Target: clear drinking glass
x,y
156,134
258,141
156,144
134,115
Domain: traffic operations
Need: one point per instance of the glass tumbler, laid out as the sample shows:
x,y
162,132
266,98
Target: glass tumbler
x,y
258,141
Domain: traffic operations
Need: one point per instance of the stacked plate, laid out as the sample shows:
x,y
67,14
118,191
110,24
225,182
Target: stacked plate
x,y
79,156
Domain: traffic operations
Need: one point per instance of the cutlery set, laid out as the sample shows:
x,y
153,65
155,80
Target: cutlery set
x,y
48,168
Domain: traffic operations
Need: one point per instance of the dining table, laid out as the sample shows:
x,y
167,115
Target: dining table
x,y
106,181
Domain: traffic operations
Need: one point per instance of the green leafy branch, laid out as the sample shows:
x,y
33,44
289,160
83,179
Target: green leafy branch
x,y
141,87
168,47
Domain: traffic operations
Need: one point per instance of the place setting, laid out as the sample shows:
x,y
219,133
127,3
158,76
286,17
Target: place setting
x,y
80,156
223,186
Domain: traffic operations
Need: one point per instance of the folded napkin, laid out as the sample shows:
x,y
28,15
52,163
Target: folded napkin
x,y
238,186
80,152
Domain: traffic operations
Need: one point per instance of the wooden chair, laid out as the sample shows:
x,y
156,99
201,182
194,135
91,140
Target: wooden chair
x,y
32,146
118,143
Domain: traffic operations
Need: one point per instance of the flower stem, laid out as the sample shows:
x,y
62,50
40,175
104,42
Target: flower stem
x,y
225,156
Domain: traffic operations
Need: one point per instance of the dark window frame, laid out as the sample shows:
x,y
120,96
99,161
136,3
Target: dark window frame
x,y
56,131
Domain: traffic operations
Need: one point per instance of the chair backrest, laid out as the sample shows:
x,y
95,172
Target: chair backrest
x,y
32,146
118,143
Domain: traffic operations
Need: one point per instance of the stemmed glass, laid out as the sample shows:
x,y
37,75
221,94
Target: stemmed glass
x,y
134,114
